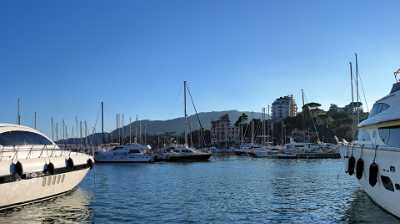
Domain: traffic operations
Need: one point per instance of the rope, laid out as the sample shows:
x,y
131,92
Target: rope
x,y
362,150
363,91
197,116
376,149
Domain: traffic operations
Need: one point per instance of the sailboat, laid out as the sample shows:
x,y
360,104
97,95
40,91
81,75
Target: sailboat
x,y
184,153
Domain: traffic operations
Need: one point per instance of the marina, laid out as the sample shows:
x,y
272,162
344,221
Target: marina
x,y
270,191
198,112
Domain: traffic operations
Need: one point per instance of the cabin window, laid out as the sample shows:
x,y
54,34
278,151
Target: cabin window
x,y
14,138
117,148
378,108
390,136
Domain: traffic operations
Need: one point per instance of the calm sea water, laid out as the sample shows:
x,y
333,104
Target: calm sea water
x,y
224,190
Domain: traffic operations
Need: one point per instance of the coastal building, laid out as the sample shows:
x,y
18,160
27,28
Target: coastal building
x,y
283,107
222,131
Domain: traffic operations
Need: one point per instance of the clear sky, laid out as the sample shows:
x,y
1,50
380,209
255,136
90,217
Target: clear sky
x,y
64,57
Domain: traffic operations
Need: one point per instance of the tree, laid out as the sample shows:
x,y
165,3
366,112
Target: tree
x,y
242,119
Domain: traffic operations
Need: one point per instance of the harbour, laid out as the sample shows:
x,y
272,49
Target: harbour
x,y
192,112
269,191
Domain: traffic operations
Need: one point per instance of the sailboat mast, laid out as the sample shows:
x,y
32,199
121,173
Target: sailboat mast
x,y
357,92
263,125
52,128
136,129
102,121
140,131
130,130
252,130
351,81
185,112
268,126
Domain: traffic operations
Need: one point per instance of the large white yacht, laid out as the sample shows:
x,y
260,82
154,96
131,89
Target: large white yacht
x,y
374,156
33,168
130,153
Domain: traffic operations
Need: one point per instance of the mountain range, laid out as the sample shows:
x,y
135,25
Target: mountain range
x,y
171,126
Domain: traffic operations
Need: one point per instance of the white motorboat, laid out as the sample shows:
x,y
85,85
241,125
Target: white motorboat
x,y
246,148
268,151
302,147
33,168
130,153
374,155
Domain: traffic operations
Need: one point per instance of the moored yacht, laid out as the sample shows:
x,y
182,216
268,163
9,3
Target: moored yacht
x,y
34,168
130,153
184,154
301,147
374,155
246,148
267,151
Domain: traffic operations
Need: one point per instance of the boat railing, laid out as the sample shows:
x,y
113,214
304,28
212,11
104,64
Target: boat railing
x,y
48,151
352,146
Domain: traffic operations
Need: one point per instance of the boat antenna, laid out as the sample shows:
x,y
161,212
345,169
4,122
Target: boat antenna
x,y
35,120
19,111
185,112
396,75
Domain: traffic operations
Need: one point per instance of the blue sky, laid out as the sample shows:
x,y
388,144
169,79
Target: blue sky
x,y
64,57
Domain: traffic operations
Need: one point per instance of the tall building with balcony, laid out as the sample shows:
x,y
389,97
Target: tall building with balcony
x,y
283,107
222,131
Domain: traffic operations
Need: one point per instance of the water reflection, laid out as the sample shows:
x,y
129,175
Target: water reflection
x,y
363,210
69,208
224,190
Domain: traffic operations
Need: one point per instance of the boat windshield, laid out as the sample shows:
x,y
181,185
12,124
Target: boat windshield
x,y
378,108
390,135
17,138
117,148
134,151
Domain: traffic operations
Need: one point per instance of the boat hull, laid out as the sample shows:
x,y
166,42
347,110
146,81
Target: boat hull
x,y
109,158
386,192
26,191
188,158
